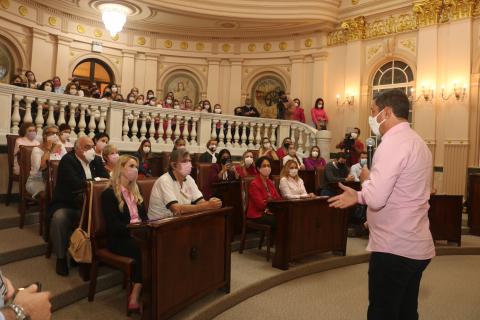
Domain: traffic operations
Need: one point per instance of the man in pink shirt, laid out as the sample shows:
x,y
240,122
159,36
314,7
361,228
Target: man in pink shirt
x,y
396,191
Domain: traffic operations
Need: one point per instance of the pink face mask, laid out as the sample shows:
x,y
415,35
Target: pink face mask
x,y
185,168
131,174
101,145
265,171
112,158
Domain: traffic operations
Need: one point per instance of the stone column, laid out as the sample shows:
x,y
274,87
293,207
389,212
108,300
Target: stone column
x,y
151,68
62,66
128,70
213,76
297,79
235,83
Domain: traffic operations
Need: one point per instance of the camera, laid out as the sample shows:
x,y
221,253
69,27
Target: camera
x,y
348,143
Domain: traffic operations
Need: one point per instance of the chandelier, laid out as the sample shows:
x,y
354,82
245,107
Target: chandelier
x,y
114,17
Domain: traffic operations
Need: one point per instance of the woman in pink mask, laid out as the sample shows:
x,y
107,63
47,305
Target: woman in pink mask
x,y
110,157
27,137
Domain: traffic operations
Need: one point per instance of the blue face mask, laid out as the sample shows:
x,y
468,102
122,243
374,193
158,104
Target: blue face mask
x,y
363,162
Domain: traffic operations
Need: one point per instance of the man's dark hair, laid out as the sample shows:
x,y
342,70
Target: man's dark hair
x,y
341,155
99,136
358,129
395,99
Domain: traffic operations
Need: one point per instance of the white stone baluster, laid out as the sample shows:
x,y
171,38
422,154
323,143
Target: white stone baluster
x,y
126,127
135,125
39,121
236,135
193,133
229,133
178,120
214,129
258,136
91,124
307,143
71,122
27,118
249,130
221,143
243,138
143,128
273,134
101,122
265,131
293,132
51,109
300,140
169,130
61,114
82,124
161,130
151,129
16,114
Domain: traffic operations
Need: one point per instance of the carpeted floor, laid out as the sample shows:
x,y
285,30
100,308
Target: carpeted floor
x,y
450,290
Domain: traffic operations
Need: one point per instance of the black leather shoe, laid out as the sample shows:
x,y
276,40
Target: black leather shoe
x,y
62,267
73,263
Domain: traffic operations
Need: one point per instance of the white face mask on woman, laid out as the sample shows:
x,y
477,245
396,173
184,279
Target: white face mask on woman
x,y
293,172
248,161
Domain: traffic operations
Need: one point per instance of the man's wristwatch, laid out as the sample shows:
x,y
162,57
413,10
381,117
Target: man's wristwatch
x,y
20,314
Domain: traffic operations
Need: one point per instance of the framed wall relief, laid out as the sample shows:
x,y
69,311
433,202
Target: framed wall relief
x,y
182,84
6,65
265,95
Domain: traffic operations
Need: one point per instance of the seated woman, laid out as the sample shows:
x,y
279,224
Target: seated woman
x,y
64,134
283,151
315,161
180,143
223,170
176,193
292,155
101,139
261,190
210,156
246,168
122,204
50,149
291,185
143,154
110,156
27,137
267,150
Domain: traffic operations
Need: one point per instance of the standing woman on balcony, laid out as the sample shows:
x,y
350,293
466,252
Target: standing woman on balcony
x,y
319,115
207,106
150,95
27,137
267,150
31,80
140,99
57,85
298,112
130,98
115,93
143,154
71,89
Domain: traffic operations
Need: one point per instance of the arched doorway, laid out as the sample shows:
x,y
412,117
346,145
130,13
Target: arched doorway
x,y
183,84
7,66
93,70
265,97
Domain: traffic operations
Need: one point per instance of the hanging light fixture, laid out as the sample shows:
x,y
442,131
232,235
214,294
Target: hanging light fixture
x,y
114,17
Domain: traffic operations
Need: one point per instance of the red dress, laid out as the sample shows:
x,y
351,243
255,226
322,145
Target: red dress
x,y
281,153
246,172
258,196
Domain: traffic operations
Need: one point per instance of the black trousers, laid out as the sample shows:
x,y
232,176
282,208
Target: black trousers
x,y
393,284
127,247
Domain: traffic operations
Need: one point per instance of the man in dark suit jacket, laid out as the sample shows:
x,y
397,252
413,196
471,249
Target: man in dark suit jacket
x,y
248,110
209,156
75,168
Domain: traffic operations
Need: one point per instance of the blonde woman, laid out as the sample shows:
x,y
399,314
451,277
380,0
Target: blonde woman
x,y
291,185
246,168
122,204
267,150
110,157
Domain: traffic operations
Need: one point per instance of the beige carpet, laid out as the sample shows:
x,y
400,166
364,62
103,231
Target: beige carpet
x,y
450,290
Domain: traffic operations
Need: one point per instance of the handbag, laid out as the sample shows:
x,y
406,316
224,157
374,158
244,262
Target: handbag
x,y
80,245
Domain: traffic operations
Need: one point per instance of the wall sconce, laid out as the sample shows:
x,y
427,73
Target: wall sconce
x,y
427,94
458,91
349,99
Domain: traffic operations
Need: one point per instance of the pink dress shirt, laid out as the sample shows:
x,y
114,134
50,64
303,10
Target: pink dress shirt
x,y
397,195
318,114
132,205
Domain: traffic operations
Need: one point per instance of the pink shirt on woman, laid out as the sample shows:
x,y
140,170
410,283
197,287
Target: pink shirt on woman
x,y
397,195
132,205
318,114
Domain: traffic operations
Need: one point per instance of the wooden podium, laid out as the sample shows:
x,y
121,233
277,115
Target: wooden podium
x,y
474,204
231,195
307,227
183,259
445,215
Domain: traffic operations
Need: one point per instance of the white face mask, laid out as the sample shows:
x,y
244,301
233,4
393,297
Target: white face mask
x,y
47,88
293,172
169,101
140,101
53,138
131,99
296,104
248,161
267,145
320,105
314,154
363,162
80,93
354,135
176,106
206,106
114,89
89,155
218,110
150,96
73,92
146,149
152,102
374,125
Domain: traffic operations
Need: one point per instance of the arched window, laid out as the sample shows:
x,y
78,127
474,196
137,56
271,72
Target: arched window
x,y
93,70
6,64
394,75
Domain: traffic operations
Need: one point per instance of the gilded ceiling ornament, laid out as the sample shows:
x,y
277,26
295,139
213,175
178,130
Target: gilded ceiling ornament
x,y
80,29
410,44
200,46
355,29
141,41
283,46
184,45
5,4
168,43
267,46
226,47
354,2
52,21
23,11
372,51
116,37
308,43
98,33
252,47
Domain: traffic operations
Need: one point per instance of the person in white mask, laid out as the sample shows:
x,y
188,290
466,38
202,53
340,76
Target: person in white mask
x,y
27,137
352,146
356,169
176,193
74,170
101,139
110,157
291,185
144,153
210,156
315,161
246,168
267,150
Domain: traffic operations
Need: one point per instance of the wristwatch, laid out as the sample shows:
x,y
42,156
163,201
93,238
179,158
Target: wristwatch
x,y
20,314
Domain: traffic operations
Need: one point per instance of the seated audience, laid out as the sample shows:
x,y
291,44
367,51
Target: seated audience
x,y
144,153
261,190
267,150
292,155
101,139
223,170
27,137
335,171
246,168
291,185
64,134
319,116
283,150
31,80
180,143
50,149
210,156
75,168
217,109
46,86
19,80
356,169
315,160
206,106
130,98
110,156
57,85
30,303
122,204
71,89
176,193
248,110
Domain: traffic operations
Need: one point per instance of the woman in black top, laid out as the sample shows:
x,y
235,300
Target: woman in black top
x,y
143,154
122,204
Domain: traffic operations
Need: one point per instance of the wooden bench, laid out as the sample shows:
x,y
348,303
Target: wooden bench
x,y
445,215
